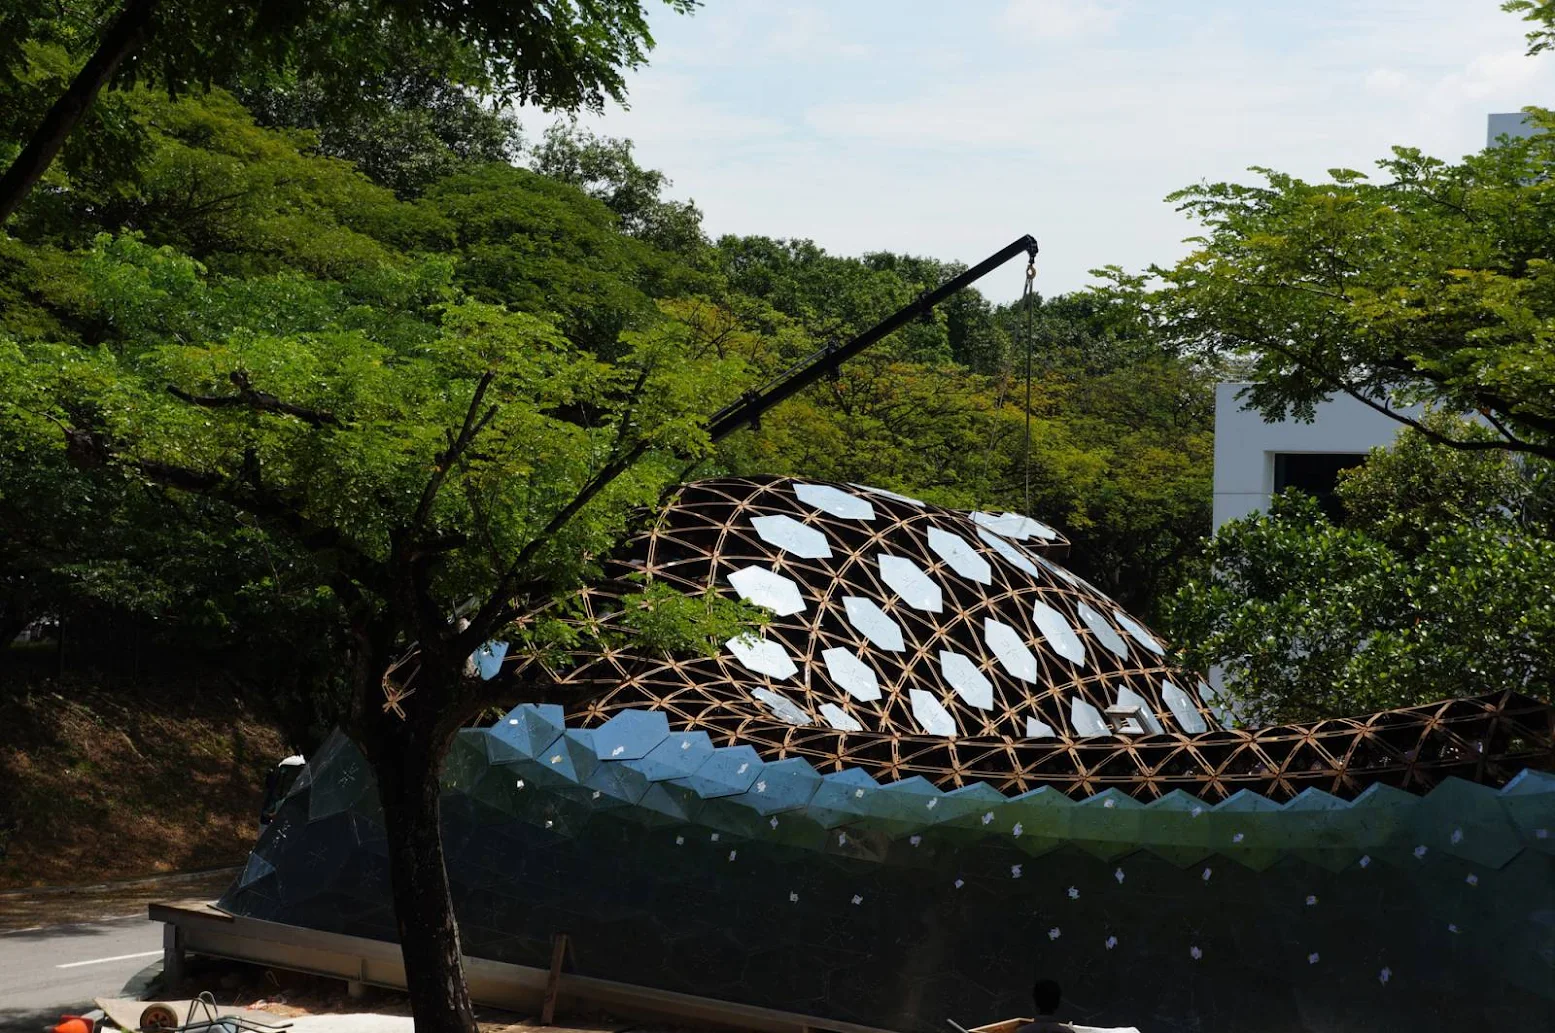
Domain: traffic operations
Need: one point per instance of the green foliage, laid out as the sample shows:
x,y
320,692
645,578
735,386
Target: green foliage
x,y
423,127
554,55
605,169
1435,585
1434,285
1541,13
662,618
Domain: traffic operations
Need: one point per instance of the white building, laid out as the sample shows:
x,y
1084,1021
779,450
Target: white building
x,y
1254,459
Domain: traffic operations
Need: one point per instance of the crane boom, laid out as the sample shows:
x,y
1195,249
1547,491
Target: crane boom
x,y
748,409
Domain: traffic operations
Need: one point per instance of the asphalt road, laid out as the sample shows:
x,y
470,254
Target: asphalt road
x,y
59,969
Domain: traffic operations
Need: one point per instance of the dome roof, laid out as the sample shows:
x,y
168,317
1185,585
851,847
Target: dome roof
x,y
905,638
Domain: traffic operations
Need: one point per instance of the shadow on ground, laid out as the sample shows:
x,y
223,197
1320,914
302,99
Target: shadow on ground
x,y
26,1020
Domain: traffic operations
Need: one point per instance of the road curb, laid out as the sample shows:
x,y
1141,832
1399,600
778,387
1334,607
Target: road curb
x,y
45,891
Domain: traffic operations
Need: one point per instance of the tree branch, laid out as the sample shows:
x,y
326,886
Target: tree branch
x,y
468,431
1337,383
87,449
122,38
497,610
248,397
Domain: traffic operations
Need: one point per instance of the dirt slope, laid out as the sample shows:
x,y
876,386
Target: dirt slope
x,y
151,776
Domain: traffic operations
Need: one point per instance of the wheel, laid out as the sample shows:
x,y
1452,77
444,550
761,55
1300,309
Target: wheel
x,y
158,1016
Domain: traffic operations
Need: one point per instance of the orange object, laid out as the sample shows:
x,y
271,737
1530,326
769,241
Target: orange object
x,y
72,1024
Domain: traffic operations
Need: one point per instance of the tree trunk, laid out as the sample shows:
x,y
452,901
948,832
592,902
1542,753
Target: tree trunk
x,y
122,38
407,755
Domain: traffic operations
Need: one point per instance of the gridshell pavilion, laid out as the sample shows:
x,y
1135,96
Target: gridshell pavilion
x,y
948,765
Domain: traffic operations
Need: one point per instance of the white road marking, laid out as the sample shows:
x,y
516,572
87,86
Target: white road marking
x,y
103,961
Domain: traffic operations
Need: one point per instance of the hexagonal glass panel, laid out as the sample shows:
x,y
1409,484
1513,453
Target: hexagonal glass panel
x,y
631,734
762,587
1054,568
1087,720
840,719
890,494
963,676
853,675
1059,635
1182,708
930,714
1036,728
762,656
960,556
835,501
909,581
488,659
1105,633
783,708
1005,643
1139,634
873,623
1127,697
1008,551
1014,525
790,535
1212,699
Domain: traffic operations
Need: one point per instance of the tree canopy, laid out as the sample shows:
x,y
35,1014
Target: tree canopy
x,y
1435,583
1432,285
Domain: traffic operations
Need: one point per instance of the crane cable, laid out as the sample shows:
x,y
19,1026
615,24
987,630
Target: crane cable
x,y
1026,300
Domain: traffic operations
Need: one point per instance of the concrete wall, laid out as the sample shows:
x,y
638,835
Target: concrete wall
x,y
1514,124
1245,445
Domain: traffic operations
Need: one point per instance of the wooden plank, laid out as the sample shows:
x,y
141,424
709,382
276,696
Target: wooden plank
x,y
500,984
554,981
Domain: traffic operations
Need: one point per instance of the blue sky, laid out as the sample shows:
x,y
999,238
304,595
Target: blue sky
x,y
949,128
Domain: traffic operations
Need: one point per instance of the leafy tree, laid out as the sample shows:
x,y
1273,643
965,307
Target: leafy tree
x,y
406,127
559,55
1541,13
1433,285
1435,584
604,168
441,491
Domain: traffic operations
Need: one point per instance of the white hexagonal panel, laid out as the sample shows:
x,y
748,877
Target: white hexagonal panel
x,y
1127,697
1005,643
875,624
1008,551
762,656
840,719
1140,635
783,708
1182,708
853,675
889,494
1036,728
1056,569
909,581
761,587
1087,720
931,716
1222,710
1013,525
790,535
962,675
1105,633
960,556
1060,637
835,501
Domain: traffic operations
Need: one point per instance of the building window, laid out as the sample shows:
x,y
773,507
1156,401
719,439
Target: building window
x,y
1316,474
